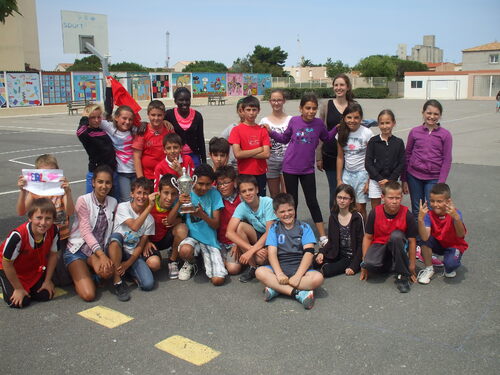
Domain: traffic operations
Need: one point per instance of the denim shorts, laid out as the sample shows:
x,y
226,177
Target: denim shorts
x,y
69,257
357,180
274,167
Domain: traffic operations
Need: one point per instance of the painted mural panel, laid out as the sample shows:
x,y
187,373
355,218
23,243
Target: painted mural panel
x,y
209,83
24,89
250,84
139,85
3,94
56,88
160,86
264,83
86,86
234,84
181,80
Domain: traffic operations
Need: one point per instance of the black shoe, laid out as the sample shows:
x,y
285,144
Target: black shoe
x,y
122,291
402,283
248,275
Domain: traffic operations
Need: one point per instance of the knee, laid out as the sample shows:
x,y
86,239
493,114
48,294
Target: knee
x,y
147,285
317,279
186,251
154,263
217,281
180,231
397,235
105,274
87,295
233,268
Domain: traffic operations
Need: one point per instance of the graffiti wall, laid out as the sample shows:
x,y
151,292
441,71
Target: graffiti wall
x,y
87,86
250,84
209,83
160,86
56,88
181,80
234,84
139,85
264,83
3,94
24,89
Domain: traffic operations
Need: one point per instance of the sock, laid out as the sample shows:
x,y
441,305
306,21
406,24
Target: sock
x,y
430,268
294,293
118,283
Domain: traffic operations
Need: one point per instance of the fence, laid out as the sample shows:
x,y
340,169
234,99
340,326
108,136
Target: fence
x,y
289,82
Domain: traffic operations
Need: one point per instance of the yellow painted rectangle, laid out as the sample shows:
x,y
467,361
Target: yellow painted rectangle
x,y
105,316
58,292
188,350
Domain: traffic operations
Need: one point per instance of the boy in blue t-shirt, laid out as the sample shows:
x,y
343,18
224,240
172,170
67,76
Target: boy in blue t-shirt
x,y
202,226
250,224
290,245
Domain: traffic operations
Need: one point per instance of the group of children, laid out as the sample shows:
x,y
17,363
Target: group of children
x,y
131,209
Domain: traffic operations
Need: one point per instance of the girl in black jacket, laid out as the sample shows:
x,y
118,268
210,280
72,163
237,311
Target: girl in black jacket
x,y
343,253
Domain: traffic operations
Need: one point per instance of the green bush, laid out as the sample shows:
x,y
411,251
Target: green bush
x,y
371,92
296,93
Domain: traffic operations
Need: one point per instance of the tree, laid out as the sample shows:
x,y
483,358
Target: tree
x,y
125,66
206,66
403,66
307,63
87,64
8,8
334,68
262,60
387,66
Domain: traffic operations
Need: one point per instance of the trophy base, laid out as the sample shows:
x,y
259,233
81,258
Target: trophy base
x,y
187,209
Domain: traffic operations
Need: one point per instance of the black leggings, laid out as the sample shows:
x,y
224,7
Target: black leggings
x,y
8,290
335,267
308,182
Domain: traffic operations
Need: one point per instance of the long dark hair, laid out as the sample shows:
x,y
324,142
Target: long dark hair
x,y
348,95
343,128
348,189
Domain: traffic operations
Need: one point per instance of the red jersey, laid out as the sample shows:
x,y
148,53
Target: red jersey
x,y
29,260
225,215
161,230
383,227
250,137
443,230
163,168
151,145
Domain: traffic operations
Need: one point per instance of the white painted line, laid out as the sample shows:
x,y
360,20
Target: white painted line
x,y
35,115
36,149
38,129
22,162
15,160
15,191
12,132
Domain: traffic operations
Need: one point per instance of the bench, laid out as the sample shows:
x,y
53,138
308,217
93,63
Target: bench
x,y
216,99
75,105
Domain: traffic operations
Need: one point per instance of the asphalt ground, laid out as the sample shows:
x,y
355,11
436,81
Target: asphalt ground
x,y
451,325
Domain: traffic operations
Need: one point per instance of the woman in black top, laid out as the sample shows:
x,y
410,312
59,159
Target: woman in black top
x,y
188,123
331,114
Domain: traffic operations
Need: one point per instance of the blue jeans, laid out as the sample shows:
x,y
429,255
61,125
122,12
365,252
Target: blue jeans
x,y
124,182
196,159
115,191
419,190
451,257
331,176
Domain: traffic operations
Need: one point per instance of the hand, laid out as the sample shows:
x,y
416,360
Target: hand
x,y
200,213
405,188
48,285
21,183
165,222
235,252
152,198
148,249
65,185
184,198
349,272
245,257
168,125
282,278
319,165
452,210
365,188
261,253
413,274
319,258
364,274
382,183
105,264
176,166
294,281
268,128
123,267
108,81
423,210
340,182
18,296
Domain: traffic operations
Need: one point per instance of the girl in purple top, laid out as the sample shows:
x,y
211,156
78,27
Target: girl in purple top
x,y
302,135
428,156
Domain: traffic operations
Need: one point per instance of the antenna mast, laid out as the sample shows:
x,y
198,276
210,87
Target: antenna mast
x,y
167,62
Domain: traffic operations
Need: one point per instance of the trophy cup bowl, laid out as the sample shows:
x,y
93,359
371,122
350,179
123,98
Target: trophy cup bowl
x,y
184,185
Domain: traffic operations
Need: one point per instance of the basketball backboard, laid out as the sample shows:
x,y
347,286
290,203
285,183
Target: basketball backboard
x,y
79,28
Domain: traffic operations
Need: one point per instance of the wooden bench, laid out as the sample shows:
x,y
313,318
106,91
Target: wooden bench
x,y
75,105
216,99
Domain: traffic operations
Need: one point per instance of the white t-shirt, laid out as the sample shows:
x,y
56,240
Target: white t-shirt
x,y
277,149
355,150
122,142
130,238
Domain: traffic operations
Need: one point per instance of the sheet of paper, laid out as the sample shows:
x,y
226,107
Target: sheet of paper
x,y
45,182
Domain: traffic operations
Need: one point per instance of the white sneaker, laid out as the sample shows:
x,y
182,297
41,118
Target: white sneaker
x,y
425,275
323,240
173,270
450,274
186,271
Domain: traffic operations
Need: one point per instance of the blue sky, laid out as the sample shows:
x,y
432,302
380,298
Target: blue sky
x,y
224,30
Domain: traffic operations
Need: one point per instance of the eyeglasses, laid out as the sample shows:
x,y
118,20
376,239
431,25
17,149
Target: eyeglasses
x,y
340,198
224,184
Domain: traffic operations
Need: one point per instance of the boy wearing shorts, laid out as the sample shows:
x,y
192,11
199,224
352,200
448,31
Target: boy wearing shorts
x,y
443,232
290,245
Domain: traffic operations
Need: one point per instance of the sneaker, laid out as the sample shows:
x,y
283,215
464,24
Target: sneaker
x,y
450,274
269,294
122,292
435,260
173,270
402,283
248,275
425,275
323,240
306,298
186,271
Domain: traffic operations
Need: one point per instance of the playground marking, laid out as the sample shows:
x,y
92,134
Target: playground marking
x,y
188,350
105,316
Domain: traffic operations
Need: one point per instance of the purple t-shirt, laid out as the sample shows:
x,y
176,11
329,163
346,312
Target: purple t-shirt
x,y
302,138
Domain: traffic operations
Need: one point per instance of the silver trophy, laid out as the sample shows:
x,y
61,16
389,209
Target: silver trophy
x,y
184,184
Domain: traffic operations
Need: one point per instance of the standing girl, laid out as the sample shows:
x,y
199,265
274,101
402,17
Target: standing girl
x,y
278,122
330,112
352,142
303,133
188,123
428,156
385,157
343,252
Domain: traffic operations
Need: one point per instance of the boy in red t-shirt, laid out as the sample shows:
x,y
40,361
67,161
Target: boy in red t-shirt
x,y
29,257
148,144
442,231
226,184
167,234
174,161
251,144
390,239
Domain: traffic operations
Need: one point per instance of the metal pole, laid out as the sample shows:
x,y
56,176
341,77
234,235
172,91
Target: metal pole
x,y
104,63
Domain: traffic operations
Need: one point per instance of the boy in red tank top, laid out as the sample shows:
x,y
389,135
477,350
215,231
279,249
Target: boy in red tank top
x,y
390,240
442,231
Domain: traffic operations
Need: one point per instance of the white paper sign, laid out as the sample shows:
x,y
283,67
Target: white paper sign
x,y
45,182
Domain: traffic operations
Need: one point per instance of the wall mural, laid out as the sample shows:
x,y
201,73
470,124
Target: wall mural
x,y
160,85
24,89
86,86
56,88
209,83
181,80
234,84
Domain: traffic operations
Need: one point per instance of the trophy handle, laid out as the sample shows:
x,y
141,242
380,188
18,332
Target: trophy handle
x,y
195,178
174,182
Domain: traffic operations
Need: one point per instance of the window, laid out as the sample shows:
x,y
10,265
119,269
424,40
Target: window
x,y
416,84
494,59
